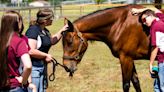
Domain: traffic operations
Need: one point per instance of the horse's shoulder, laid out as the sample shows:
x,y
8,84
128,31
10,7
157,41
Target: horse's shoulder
x,y
162,10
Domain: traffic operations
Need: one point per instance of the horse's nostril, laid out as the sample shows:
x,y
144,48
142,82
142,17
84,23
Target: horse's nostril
x,y
73,70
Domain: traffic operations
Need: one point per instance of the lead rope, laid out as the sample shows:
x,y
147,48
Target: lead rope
x,y
54,64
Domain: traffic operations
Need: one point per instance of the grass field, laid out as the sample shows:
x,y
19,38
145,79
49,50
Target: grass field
x,y
98,71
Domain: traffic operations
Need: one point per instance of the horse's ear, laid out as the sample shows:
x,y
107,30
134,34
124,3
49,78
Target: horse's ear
x,y
65,21
70,25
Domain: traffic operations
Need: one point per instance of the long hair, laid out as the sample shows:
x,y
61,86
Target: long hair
x,y
9,24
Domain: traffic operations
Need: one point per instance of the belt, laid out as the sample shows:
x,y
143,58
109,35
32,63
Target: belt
x,y
38,63
160,62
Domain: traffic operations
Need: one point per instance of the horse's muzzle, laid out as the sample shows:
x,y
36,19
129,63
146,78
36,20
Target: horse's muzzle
x,y
71,70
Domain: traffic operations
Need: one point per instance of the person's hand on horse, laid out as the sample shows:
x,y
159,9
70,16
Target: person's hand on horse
x,y
64,28
48,58
135,11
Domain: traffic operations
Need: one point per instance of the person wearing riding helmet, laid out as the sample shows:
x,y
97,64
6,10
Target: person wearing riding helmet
x,y
40,41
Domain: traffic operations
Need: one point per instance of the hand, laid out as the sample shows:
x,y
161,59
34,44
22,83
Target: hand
x,y
150,69
48,58
135,11
65,27
20,79
33,87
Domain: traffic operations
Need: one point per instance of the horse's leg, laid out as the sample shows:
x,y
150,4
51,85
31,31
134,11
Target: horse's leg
x,y
127,68
135,80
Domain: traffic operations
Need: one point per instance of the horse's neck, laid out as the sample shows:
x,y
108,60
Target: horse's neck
x,y
95,30
92,33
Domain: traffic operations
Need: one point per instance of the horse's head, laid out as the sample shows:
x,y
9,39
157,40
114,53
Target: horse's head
x,y
74,46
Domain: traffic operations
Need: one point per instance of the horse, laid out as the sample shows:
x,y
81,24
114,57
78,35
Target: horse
x,y
122,32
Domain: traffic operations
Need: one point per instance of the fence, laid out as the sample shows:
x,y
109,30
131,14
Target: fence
x,y
83,9
29,13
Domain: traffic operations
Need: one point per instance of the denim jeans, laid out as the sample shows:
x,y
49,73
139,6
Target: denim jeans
x,y
159,82
38,79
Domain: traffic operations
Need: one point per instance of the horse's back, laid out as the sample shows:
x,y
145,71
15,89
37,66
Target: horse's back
x,y
132,39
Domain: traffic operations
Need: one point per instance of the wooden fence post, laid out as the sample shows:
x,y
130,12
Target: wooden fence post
x,y
29,16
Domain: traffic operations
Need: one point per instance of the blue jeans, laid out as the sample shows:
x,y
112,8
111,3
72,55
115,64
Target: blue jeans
x,y
159,82
38,79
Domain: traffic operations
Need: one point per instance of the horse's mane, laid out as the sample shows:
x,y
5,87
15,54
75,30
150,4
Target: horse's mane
x,y
98,11
111,8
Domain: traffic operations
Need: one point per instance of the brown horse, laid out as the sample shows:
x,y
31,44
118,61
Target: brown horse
x,y
116,27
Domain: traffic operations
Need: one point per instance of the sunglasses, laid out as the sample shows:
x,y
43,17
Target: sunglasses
x,y
144,19
51,18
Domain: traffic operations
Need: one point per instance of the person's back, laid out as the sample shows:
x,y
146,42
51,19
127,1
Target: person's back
x,y
16,50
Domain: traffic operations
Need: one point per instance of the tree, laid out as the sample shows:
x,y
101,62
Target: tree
x,y
5,1
99,1
158,4
55,2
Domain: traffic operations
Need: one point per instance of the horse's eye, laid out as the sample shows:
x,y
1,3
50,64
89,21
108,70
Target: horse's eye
x,y
64,33
70,41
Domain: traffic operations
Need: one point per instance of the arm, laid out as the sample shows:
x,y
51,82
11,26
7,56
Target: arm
x,y
31,85
29,79
37,53
152,57
55,38
136,11
27,67
33,51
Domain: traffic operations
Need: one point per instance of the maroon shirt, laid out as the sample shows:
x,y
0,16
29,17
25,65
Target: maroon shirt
x,y
26,40
16,49
157,33
160,16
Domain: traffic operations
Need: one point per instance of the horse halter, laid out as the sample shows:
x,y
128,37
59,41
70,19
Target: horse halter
x,y
82,41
